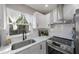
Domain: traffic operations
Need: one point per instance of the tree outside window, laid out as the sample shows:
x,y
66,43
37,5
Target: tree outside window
x,y
20,26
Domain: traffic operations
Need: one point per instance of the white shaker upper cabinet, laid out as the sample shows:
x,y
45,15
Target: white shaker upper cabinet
x,y
42,21
56,16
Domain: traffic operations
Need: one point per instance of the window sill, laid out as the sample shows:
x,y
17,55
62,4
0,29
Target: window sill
x,y
19,35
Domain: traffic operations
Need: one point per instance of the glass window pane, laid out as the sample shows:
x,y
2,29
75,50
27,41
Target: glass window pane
x,y
20,29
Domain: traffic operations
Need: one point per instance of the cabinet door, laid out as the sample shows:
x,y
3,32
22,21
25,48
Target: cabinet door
x,y
25,51
55,16
60,12
31,50
35,49
39,48
43,47
42,21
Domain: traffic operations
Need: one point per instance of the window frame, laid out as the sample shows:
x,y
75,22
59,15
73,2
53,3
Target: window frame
x,y
15,35
29,23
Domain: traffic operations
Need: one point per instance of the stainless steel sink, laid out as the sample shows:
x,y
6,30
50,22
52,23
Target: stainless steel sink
x,y
21,44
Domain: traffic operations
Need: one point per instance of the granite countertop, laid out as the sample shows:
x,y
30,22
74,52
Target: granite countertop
x,y
7,49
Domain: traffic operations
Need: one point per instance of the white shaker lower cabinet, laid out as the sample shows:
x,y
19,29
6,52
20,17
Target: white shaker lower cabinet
x,y
39,48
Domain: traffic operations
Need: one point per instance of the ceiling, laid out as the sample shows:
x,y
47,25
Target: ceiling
x,y
41,7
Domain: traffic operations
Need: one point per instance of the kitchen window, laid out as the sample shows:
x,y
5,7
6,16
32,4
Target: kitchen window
x,y
20,26
19,22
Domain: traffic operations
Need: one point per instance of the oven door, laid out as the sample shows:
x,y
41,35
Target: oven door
x,y
53,51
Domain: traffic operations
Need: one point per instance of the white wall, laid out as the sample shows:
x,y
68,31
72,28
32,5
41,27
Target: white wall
x,y
69,10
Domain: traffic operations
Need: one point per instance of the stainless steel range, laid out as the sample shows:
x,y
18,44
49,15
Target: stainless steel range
x,y
58,45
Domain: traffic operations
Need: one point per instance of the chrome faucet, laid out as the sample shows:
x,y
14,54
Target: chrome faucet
x,y
24,36
24,32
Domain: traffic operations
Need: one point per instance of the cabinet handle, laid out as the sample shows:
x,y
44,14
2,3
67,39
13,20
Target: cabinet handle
x,y
40,47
